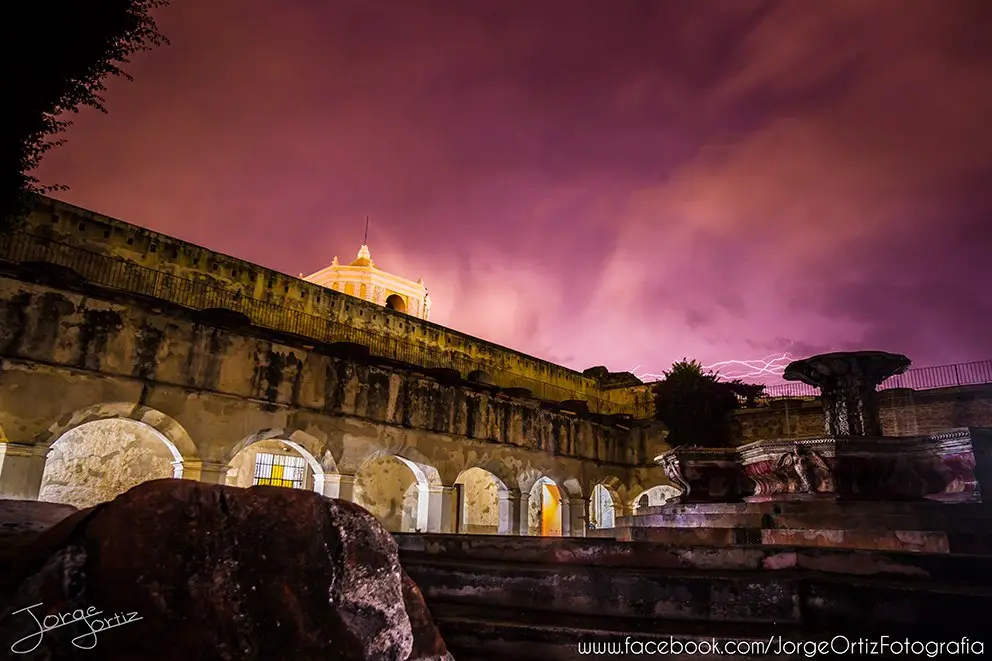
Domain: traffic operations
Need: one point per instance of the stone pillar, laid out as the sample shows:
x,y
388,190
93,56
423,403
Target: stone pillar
x,y
21,470
335,485
209,472
578,517
512,513
442,502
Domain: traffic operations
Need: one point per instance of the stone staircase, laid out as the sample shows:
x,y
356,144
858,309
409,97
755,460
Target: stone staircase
x,y
568,598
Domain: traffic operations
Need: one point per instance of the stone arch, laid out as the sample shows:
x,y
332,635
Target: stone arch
x,y
411,457
481,376
396,302
246,469
570,487
655,496
171,432
605,504
396,490
547,509
481,495
99,459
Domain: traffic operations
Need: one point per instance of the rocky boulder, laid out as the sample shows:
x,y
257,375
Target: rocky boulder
x,y
21,520
179,570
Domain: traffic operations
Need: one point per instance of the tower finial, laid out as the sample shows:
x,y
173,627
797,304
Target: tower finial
x,y
366,241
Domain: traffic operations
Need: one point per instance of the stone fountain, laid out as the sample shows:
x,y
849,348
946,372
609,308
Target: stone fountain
x,y
854,460
848,384
853,487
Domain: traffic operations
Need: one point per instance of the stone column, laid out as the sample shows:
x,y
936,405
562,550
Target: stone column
x,y
513,513
335,485
441,515
578,518
209,472
21,470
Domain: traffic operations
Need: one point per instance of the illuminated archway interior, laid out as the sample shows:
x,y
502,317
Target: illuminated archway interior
x,y
545,509
99,460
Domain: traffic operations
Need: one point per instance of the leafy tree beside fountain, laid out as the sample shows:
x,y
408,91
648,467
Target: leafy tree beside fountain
x,y
696,405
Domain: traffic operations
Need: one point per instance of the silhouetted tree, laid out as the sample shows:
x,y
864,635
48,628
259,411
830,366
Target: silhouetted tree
x,y
56,55
696,405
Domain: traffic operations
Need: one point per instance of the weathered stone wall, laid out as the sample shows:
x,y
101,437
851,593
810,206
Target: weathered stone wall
x,y
375,487
903,412
70,358
97,461
480,509
107,236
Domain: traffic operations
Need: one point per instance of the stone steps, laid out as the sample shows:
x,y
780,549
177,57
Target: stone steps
x,y
799,598
530,598
481,634
589,552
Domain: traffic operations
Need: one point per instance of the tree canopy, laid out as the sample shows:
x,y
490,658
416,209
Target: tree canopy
x,y
696,405
56,56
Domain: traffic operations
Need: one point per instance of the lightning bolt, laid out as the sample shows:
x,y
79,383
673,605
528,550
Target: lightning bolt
x,y
772,365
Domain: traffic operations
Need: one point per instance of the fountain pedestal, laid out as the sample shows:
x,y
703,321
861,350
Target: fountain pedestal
x,y
848,383
705,475
939,468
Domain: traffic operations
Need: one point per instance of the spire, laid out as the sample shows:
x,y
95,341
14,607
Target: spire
x,y
364,257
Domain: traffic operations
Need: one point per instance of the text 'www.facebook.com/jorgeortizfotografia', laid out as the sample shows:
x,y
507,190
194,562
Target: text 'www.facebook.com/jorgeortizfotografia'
x,y
885,646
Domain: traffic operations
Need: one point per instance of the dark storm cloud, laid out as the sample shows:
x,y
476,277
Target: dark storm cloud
x,y
623,183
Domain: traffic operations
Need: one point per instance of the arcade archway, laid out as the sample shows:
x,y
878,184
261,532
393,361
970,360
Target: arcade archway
x,y
97,461
395,491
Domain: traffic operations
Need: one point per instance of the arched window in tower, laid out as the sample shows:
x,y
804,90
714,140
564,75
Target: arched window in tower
x,y
396,302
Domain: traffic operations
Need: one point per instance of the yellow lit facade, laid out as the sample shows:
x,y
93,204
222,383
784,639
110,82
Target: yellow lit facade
x,y
363,280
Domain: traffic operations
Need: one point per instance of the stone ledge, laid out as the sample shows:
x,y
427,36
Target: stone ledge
x,y
604,553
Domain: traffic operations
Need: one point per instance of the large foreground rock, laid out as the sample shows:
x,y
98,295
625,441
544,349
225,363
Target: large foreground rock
x,y
193,571
20,520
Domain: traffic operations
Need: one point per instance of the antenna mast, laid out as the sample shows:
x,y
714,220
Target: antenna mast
x,y
366,241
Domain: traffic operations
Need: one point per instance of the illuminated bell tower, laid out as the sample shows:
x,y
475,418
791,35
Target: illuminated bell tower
x,y
364,280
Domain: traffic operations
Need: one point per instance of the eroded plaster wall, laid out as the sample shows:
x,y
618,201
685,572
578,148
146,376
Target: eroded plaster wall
x,y
387,488
480,506
100,460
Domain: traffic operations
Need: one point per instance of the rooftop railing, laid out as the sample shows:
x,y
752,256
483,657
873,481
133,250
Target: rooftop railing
x,y
118,274
917,378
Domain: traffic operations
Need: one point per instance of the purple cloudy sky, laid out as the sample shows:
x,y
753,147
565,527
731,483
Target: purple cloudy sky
x,y
616,182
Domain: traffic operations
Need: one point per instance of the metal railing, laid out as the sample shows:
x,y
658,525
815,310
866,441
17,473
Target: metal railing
x,y
917,378
115,273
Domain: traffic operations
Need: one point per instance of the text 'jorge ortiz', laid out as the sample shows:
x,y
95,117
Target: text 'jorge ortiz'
x,y
91,620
